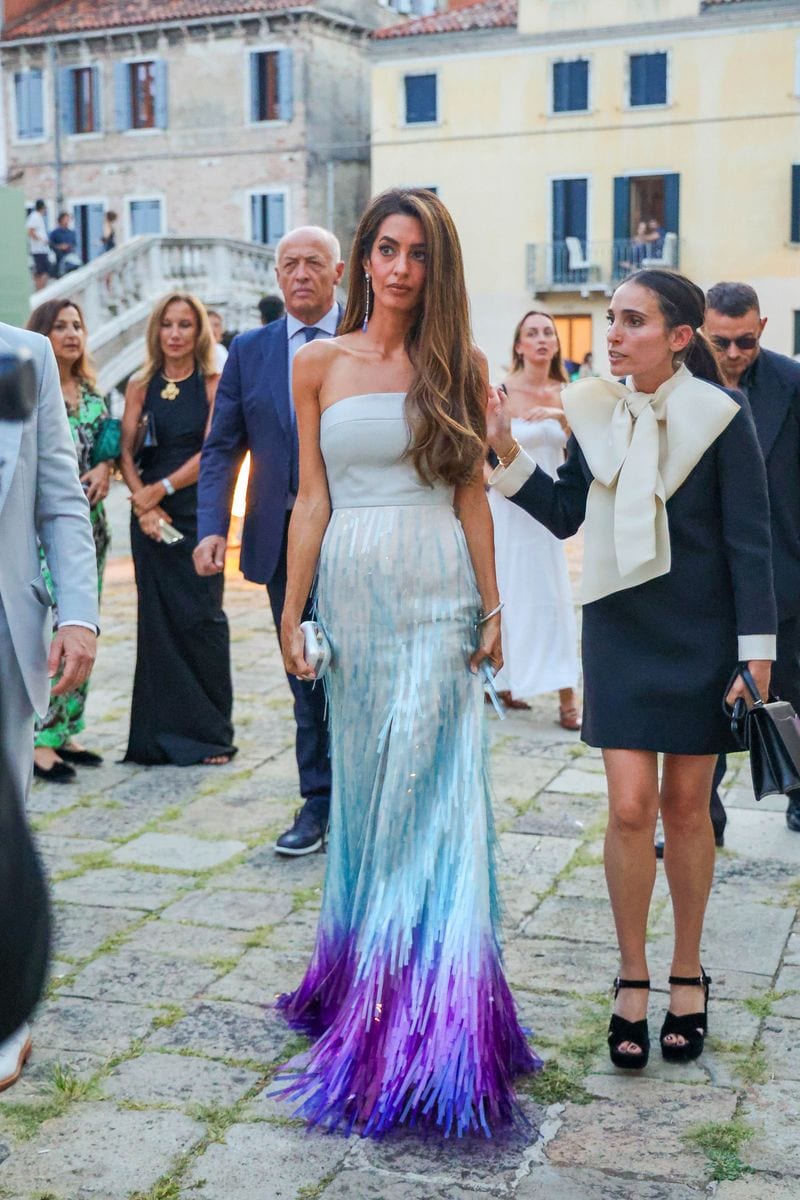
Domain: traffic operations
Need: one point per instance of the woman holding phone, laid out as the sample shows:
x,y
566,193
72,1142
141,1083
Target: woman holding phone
x,y
665,469
182,694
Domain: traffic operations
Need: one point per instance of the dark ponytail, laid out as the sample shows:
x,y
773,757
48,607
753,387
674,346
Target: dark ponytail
x,y
682,303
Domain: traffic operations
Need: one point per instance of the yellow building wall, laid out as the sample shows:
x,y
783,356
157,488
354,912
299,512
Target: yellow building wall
x,y
731,130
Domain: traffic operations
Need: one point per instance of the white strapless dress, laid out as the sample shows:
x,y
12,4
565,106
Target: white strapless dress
x,y
538,622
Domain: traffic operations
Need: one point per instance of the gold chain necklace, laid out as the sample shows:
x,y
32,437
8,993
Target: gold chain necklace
x,y
171,391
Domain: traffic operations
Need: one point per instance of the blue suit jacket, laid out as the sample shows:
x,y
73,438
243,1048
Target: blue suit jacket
x,y
252,412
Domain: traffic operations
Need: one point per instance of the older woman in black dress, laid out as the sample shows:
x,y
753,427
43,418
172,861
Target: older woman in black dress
x,y
182,694
677,589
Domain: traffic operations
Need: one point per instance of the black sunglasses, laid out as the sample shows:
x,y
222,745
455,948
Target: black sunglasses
x,y
747,341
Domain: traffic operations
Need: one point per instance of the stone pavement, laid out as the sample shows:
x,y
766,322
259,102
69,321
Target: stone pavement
x,y
176,923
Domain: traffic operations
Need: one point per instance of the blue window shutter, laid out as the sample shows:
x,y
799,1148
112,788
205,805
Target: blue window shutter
x,y
579,81
560,87
648,79
161,106
285,85
622,208
794,235
559,210
638,79
276,219
97,99
672,196
66,99
22,100
122,96
254,85
36,103
257,219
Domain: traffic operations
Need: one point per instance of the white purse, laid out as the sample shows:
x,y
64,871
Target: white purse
x,y
317,648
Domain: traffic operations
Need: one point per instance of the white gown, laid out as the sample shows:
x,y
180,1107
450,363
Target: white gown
x,y
538,621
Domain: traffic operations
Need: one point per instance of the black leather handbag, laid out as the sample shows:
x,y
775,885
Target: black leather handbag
x,y
771,732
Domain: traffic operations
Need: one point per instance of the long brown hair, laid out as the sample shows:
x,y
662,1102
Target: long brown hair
x,y
42,320
204,343
446,402
682,302
556,369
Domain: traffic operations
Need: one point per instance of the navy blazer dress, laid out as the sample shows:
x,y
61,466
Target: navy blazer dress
x,y
657,657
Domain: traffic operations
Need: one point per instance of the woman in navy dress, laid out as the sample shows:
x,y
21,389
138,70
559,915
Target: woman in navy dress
x,y
667,474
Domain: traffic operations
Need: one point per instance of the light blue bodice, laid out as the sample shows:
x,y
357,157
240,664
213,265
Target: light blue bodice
x,y
363,440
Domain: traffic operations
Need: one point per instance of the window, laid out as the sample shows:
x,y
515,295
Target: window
x,y
140,94
794,231
648,79
87,216
29,104
421,99
796,342
79,96
569,224
267,217
271,90
571,86
144,216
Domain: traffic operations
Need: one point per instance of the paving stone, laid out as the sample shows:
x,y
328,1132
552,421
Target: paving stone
x,y
235,1031
568,916
575,782
227,816
526,868
229,909
762,835
617,1126
178,1081
251,1155
81,928
297,933
63,854
261,976
96,1150
115,887
781,1040
757,1187
106,818
743,797
773,1110
788,982
267,871
364,1185
177,851
550,1183
512,780
730,927
96,1026
558,815
201,943
563,966
141,977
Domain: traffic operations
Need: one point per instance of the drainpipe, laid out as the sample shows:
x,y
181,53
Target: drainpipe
x,y
329,166
51,54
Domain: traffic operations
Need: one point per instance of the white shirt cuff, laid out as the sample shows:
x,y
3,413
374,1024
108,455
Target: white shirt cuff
x,y
756,645
83,625
508,480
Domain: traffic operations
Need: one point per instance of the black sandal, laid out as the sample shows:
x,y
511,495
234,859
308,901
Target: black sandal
x,y
621,1030
692,1027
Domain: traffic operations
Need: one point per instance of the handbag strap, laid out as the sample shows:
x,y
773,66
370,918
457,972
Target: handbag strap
x,y
750,684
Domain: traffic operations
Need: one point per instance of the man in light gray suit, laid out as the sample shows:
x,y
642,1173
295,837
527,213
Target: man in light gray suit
x,y
41,500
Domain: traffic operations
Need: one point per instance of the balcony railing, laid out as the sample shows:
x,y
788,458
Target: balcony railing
x,y
574,265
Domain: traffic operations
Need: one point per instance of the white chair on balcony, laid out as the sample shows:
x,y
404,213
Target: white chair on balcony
x,y
669,253
577,260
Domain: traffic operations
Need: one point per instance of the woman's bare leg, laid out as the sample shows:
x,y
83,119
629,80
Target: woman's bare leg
x,y
630,864
689,865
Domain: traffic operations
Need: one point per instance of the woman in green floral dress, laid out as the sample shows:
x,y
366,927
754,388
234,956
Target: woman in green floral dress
x,y
56,752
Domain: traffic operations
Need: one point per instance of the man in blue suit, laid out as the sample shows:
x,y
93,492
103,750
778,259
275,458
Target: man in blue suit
x,y
771,383
254,411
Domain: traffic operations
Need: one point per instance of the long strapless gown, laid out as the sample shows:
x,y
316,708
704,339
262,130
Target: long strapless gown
x,y
405,989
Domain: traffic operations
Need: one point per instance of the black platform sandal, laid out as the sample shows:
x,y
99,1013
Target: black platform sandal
x,y
621,1030
692,1027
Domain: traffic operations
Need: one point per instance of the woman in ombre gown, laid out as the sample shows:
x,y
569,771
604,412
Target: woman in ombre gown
x,y
405,991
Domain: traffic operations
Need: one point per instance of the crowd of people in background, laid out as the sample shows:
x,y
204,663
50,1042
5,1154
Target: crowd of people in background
x,y
372,429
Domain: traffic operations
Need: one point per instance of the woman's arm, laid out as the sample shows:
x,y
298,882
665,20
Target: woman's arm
x,y
312,508
135,394
472,510
747,540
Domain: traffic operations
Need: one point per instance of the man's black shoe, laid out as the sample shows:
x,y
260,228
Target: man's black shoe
x,y
793,815
305,836
719,840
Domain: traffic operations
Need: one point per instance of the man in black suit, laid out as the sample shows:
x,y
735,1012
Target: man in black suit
x,y
254,411
771,383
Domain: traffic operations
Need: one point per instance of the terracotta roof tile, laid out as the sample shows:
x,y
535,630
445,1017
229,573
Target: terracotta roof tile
x,y
82,16
489,14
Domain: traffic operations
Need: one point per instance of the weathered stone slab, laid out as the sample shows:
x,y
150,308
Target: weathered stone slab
x,y
781,1040
562,966
178,1081
364,1185
757,1187
526,868
229,909
95,1026
106,818
762,835
96,1150
63,854
296,933
618,1126
773,1109
512,779
558,815
744,797
789,983
569,917
267,871
575,782
261,976
552,1183
141,977
259,1160
177,851
81,928
229,816
115,887
746,936
235,1031
199,942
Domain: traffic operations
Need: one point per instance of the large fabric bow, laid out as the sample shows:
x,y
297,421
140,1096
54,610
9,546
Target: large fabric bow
x,y
640,448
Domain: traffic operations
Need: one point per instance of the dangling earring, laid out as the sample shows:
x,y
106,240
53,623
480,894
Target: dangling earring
x,y
366,311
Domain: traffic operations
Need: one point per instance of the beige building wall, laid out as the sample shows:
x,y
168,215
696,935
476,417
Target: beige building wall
x,y
730,130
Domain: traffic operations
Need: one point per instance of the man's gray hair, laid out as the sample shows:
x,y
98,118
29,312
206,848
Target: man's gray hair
x,y
732,299
330,240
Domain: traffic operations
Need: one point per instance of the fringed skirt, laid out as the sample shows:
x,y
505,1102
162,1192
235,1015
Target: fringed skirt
x,y
405,990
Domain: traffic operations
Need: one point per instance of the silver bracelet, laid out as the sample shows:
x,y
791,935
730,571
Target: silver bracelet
x,y
493,613
168,487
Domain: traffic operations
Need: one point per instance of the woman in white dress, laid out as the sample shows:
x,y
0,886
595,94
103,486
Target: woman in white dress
x,y
538,622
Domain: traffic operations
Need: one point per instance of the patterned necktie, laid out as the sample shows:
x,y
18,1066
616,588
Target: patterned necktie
x,y
310,332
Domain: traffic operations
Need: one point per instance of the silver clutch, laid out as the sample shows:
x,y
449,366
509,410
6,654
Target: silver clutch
x,y
317,648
